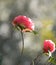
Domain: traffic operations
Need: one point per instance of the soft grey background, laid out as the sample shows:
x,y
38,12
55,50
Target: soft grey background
x,y
10,39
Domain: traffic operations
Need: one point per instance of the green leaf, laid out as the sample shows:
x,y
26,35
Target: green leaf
x,y
35,32
20,27
52,60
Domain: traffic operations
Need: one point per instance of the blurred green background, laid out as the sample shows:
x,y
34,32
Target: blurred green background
x,y
42,13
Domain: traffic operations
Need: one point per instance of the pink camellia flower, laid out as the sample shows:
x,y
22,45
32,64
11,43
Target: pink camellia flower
x,y
49,46
24,23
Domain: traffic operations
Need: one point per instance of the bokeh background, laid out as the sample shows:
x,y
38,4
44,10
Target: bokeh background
x,y
43,14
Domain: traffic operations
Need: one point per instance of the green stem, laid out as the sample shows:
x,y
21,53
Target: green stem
x,y
19,29
22,39
34,61
22,43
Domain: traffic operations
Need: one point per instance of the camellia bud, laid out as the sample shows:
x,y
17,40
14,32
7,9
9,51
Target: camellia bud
x,y
24,23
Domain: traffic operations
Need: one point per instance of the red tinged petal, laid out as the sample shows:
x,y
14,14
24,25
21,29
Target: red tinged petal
x,y
23,21
49,45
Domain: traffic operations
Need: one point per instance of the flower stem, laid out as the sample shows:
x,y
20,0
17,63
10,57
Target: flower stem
x,y
36,60
22,43
33,62
18,28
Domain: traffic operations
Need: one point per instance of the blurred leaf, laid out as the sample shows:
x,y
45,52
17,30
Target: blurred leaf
x,y
35,32
52,60
17,28
21,26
